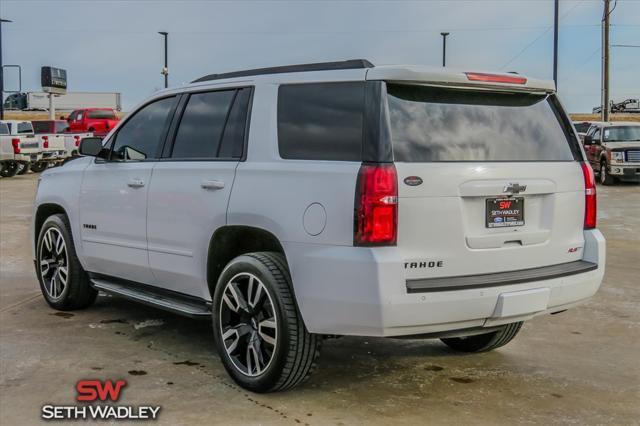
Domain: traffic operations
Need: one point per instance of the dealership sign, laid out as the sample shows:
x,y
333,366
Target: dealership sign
x,y
96,391
53,80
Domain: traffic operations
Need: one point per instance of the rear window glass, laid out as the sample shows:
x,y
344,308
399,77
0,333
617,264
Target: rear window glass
x,y
25,127
41,127
102,114
433,124
321,121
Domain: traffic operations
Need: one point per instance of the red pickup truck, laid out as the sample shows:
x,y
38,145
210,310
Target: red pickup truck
x,y
97,120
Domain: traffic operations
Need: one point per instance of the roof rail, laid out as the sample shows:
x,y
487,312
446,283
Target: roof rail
x,y
319,66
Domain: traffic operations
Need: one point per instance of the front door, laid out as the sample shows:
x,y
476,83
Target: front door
x,y
190,188
113,199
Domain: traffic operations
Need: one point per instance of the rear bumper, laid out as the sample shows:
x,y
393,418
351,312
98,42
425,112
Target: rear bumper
x,y
28,158
54,155
362,291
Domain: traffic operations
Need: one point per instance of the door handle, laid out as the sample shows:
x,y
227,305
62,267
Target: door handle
x,y
135,183
212,184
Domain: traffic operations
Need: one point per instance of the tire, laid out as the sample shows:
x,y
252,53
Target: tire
x,y
39,166
9,169
605,177
76,292
264,347
484,342
23,168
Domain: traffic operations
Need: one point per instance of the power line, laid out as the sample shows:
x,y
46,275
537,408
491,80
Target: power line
x,y
364,31
548,28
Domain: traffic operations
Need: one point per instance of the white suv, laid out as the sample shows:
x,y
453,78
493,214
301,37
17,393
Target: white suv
x,y
293,203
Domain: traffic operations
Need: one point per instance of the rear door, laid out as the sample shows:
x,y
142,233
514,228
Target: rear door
x,y
191,185
488,181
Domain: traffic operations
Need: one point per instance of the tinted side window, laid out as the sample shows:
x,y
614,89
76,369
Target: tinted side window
x,y
232,145
202,123
101,114
321,121
140,137
4,129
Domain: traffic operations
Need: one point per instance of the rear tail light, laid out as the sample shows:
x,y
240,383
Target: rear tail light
x,y
590,206
495,78
77,140
376,207
45,141
15,142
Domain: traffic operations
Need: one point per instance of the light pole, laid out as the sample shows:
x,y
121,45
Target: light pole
x,y
2,72
444,48
556,6
165,70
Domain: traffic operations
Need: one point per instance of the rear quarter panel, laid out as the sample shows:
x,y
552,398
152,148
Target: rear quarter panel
x,y
273,194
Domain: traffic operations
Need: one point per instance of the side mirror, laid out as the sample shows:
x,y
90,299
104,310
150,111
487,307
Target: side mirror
x,y
91,147
588,140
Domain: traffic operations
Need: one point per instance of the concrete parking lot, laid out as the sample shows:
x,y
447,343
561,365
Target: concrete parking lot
x,y
579,367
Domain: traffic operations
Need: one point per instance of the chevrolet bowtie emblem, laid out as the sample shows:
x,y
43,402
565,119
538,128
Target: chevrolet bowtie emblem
x,y
514,188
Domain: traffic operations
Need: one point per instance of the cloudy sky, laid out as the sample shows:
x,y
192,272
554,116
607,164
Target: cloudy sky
x,y
112,45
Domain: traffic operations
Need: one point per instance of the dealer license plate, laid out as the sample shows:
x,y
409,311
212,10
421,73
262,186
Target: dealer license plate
x,y
504,212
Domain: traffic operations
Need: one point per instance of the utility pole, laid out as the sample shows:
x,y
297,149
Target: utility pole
x,y
444,48
165,70
555,42
2,72
605,63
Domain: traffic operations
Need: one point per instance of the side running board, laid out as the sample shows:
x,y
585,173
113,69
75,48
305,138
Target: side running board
x,y
148,295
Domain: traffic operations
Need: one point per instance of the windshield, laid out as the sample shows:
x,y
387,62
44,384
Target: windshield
x,y
104,114
622,133
430,124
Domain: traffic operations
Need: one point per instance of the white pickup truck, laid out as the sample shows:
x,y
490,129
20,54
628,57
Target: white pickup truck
x,y
53,151
60,129
19,148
